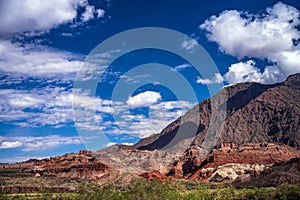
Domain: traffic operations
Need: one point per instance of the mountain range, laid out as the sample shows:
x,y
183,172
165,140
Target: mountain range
x,y
246,134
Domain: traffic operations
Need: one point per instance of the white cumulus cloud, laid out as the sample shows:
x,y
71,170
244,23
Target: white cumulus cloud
x,y
88,13
29,143
248,72
272,35
37,61
10,144
160,115
100,13
218,78
110,144
143,99
33,15
128,143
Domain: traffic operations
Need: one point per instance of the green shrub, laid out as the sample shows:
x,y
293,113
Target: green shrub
x,y
143,189
288,192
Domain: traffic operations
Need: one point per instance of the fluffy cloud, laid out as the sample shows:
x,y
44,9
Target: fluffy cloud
x,y
37,61
248,72
37,143
10,145
49,106
37,87
245,35
31,15
110,144
243,72
143,99
100,13
52,107
88,13
35,107
218,78
113,143
128,143
270,36
160,115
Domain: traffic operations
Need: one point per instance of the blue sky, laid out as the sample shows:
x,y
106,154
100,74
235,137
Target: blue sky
x,y
48,65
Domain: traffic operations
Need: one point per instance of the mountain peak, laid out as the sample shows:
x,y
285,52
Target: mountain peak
x,y
293,80
255,113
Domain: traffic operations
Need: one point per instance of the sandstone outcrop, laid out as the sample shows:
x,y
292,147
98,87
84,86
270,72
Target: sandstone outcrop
x,y
82,165
233,171
193,166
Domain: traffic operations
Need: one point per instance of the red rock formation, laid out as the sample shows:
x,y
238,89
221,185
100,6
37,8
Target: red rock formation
x,y
81,165
191,166
153,175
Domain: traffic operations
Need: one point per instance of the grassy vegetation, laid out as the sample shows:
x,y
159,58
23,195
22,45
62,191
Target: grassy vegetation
x,y
173,190
12,180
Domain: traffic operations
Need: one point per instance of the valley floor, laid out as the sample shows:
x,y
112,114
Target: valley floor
x,y
139,189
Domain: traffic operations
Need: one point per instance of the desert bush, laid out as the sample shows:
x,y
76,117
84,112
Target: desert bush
x,y
288,192
143,189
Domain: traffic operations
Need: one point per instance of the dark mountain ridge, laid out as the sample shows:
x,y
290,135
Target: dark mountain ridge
x,y
254,113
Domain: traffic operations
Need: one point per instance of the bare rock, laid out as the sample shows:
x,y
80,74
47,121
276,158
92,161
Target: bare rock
x,y
231,171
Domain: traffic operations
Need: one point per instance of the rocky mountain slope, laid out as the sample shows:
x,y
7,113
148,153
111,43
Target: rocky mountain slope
x,y
254,113
238,135
247,113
